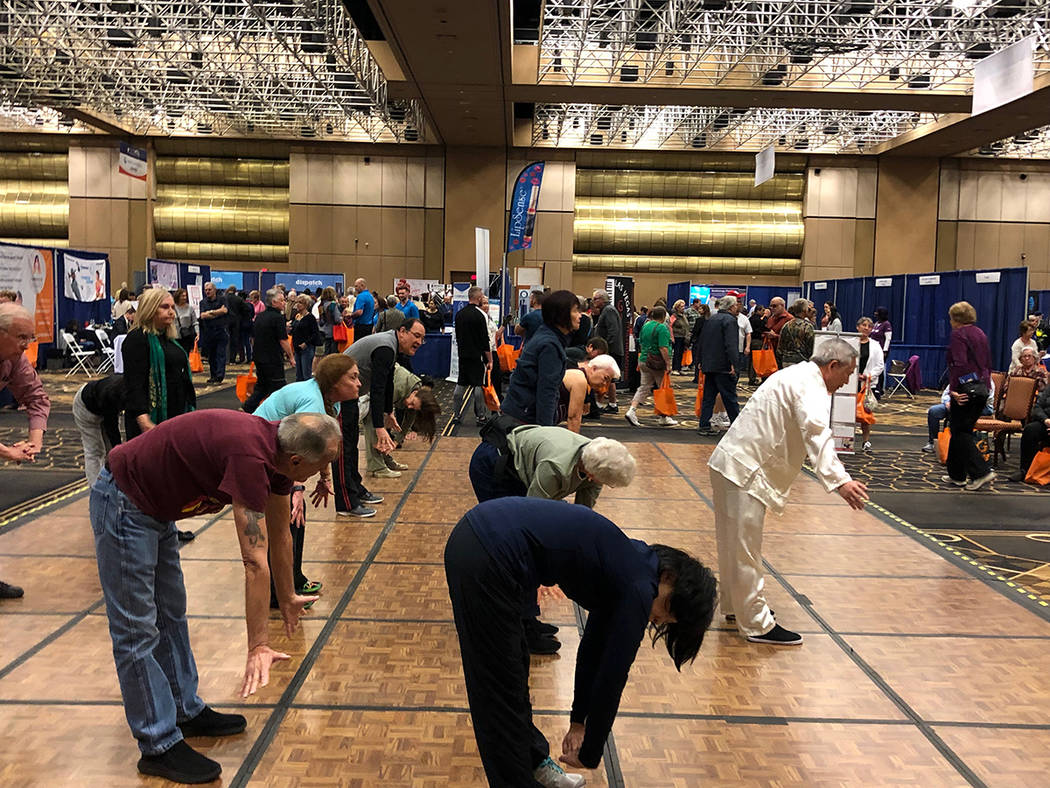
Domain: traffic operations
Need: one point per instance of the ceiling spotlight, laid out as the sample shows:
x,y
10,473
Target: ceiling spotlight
x,y
307,131
720,122
831,128
645,40
411,134
328,129
894,73
919,81
204,128
802,144
699,141
623,136
669,68
782,140
545,132
1003,9
775,76
596,139
604,123
119,39
978,51
628,73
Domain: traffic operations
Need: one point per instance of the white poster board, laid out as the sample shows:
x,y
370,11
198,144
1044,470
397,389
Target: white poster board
x,y
843,401
764,165
1004,76
481,256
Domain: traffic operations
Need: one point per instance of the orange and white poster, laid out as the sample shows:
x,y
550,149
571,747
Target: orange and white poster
x,y
28,272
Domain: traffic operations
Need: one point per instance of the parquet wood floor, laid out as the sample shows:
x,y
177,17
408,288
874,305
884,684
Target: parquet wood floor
x,y
916,671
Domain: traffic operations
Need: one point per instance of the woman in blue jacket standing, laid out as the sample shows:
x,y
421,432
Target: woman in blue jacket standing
x,y
532,396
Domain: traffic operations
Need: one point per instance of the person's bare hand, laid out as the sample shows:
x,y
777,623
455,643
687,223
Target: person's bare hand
x,y
961,397
549,592
384,443
391,423
570,745
298,509
854,493
19,452
257,669
292,610
322,492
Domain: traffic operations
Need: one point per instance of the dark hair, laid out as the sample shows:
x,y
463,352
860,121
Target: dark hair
x,y
882,313
330,371
178,294
410,323
598,344
1025,326
692,603
833,309
425,423
557,309
658,314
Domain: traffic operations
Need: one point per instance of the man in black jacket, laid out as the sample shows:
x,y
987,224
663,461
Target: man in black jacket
x,y
1036,434
719,357
272,349
475,356
235,305
609,327
212,319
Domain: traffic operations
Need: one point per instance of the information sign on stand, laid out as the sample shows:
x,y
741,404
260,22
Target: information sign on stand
x,y
844,400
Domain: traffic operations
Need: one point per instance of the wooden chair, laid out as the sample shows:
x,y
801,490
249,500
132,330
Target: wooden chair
x,y
1012,415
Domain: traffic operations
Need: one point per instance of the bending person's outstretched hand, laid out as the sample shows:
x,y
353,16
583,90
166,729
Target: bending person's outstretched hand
x,y
570,746
854,493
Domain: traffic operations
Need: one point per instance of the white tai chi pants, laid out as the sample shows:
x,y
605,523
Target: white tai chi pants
x,y
738,528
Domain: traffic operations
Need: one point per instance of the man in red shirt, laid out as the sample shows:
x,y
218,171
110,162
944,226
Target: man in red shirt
x,y
18,376
195,464
778,318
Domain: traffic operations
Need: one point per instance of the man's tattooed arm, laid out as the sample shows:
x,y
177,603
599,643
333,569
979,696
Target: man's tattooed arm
x,y
252,531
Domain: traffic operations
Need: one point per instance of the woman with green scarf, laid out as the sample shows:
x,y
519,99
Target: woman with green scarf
x,y
156,367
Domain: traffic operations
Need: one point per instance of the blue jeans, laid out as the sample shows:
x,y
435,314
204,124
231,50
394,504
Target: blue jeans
x,y
304,363
214,345
138,566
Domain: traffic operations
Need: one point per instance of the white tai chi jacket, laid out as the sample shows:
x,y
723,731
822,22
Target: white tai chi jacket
x,y
786,419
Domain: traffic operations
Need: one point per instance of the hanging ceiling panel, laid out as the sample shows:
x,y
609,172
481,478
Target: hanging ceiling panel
x,y
814,44
282,68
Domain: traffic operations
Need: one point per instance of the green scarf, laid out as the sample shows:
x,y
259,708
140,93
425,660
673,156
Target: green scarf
x,y
158,378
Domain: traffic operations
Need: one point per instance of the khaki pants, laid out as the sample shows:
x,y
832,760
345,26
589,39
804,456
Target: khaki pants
x,y
738,527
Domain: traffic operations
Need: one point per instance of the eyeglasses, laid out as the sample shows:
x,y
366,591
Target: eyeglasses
x,y
25,339
421,337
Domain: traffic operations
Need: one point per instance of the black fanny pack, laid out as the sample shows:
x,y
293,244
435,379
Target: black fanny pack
x,y
495,433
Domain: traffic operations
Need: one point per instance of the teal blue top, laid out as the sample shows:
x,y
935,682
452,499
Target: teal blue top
x,y
302,397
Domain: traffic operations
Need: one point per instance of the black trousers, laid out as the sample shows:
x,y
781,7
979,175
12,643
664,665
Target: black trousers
x,y
298,578
269,378
362,330
236,351
486,605
964,458
213,346
346,475
1034,437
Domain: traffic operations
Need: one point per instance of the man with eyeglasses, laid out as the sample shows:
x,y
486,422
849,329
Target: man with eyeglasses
x,y
18,375
376,357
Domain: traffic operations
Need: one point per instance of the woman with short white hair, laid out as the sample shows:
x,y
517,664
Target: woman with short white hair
x,y
870,367
596,374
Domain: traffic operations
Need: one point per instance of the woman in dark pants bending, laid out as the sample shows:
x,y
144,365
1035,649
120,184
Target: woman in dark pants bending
x,y
496,557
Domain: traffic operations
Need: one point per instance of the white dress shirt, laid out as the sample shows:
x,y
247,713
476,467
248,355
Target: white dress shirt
x,y
786,419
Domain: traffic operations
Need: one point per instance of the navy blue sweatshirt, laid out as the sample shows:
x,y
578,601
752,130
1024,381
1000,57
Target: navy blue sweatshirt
x,y
540,542
532,396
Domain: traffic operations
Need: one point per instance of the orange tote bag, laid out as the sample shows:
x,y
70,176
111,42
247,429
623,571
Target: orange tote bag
x,y
1039,470
491,400
246,384
663,398
196,365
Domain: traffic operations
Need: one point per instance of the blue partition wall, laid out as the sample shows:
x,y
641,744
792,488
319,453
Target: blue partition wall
x,y
1039,301
919,312
763,294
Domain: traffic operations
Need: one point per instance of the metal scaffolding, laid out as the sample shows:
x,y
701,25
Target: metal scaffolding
x,y
262,68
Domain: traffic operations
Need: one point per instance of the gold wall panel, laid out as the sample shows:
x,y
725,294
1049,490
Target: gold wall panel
x,y
228,172
687,185
61,243
680,162
686,228
628,264
34,209
35,167
254,253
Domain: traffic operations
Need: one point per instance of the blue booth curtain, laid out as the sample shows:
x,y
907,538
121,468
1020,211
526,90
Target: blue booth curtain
x,y
676,291
1000,308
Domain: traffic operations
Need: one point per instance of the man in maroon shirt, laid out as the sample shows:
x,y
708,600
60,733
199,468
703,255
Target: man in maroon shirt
x,y
18,376
195,464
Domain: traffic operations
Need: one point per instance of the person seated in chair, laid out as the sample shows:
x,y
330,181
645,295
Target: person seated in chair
x,y
1028,366
1036,434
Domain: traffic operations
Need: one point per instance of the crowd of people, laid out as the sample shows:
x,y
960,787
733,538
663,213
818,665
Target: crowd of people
x,y
352,357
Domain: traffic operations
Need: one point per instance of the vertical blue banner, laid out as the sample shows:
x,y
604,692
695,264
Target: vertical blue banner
x,y
523,207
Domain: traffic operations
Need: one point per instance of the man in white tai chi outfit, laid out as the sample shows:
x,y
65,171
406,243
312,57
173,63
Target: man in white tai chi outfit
x,y
753,467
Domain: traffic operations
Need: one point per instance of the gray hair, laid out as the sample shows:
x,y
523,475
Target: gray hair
x,y
310,435
271,294
609,461
473,293
391,301
209,282
725,303
799,307
602,294
1033,351
605,363
10,313
834,350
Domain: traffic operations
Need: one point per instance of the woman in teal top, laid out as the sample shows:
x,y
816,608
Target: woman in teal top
x,y
335,381
654,359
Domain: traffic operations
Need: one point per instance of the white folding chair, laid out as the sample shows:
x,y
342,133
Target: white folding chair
x,y
106,349
118,359
898,373
81,357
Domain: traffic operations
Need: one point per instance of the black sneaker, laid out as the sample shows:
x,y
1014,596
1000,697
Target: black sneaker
x,y
186,536
359,511
778,636
1017,476
213,723
542,645
595,415
611,409
706,432
545,629
8,591
181,764
371,498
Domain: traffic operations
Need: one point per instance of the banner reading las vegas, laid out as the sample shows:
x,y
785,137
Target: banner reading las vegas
x,y
523,207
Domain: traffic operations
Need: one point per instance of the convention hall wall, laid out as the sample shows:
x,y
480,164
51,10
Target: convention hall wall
x,y
382,211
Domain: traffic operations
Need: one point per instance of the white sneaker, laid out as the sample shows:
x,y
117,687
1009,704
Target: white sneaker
x,y
928,447
976,484
720,420
667,421
950,480
631,417
386,473
867,445
551,775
